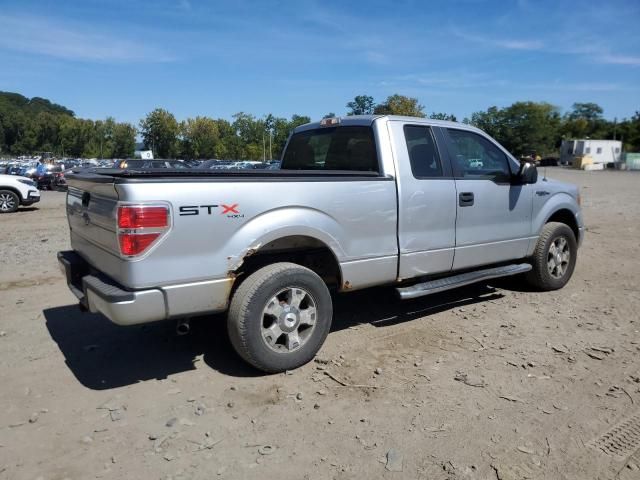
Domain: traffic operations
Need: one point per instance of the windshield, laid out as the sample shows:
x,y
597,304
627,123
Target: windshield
x,y
337,148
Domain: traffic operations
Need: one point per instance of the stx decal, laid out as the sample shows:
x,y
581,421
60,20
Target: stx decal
x,y
231,211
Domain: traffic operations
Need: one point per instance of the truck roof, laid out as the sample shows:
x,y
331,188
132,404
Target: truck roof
x,y
367,120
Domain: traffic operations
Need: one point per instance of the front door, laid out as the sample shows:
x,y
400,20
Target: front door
x,y
493,221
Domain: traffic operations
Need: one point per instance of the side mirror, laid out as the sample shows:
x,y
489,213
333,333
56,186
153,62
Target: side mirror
x,y
528,173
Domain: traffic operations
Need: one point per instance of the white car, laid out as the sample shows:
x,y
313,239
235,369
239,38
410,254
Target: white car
x,y
16,191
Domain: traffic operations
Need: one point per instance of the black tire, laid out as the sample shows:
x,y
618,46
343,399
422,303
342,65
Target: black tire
x,y
246,317
9,201
542,277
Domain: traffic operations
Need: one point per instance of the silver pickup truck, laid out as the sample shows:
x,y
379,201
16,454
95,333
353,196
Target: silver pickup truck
x,y
422,205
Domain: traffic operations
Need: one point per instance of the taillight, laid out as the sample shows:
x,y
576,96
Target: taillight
x,y
135,216
140,226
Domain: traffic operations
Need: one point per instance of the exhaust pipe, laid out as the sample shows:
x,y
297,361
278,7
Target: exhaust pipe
x,y
183,326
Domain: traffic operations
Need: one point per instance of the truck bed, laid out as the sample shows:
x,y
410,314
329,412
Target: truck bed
x,y
219,216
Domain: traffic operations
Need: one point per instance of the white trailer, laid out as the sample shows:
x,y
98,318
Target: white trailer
x,y
602,151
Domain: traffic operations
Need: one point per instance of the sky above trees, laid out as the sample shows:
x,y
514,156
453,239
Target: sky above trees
x,y
126,57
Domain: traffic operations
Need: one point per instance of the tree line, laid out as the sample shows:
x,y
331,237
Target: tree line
x,y
30,126
34,125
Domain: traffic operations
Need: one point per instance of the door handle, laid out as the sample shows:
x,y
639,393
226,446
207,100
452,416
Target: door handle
x,y
465,199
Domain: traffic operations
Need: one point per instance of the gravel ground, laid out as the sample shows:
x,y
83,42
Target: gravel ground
x,y
487,382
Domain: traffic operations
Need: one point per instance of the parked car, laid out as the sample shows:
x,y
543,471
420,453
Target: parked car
x,y
16,191
51,178
550,162
215,164
139,164
358,202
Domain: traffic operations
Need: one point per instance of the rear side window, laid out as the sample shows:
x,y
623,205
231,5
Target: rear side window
x,y
335,148
423,155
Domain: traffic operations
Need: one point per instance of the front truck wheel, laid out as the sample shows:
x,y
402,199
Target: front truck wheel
x,y
554,258
279,317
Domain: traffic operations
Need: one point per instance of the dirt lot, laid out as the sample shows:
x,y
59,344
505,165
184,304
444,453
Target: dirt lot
x,y
487,382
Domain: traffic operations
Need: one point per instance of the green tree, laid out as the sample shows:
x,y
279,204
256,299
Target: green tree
x,y
251,134
443,116
589,111
281,131
585,121
297,120
200,137
160,132
329,115
361,105
523,127
489,121
124,140
229,145
400,105
629,132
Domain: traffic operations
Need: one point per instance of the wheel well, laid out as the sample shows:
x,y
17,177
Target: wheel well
x,y
14,190
302,250
568,218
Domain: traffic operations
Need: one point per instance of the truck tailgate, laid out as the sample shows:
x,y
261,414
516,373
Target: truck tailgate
x,y
91,211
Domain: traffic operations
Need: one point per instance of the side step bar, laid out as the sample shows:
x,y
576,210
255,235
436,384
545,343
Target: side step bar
x,y
455,281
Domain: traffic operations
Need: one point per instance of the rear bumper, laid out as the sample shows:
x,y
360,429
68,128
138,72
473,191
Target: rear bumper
x,y
98,293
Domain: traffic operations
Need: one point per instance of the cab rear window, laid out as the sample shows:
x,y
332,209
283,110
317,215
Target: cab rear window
x,y
335,148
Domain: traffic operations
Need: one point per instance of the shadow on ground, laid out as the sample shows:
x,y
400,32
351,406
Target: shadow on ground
x,y
102,355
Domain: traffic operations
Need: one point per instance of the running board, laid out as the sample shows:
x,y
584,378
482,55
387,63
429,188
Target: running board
x,y
455,281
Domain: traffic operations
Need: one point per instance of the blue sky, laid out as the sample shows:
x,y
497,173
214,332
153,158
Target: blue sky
x,y
194,57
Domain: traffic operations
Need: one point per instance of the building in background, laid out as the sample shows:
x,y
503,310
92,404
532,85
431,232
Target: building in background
x,y
601,151
632,161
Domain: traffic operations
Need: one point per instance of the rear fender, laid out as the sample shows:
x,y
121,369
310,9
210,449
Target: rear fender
x,y
284,222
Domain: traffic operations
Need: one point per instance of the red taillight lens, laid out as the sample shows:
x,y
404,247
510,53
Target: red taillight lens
x,y
136,243
140,226
142,217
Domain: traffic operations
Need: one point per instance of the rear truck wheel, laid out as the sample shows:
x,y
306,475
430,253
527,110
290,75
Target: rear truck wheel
x,y
554,258
9,201
279,317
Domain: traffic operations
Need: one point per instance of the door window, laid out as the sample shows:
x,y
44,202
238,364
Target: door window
x,y
477,157
423,155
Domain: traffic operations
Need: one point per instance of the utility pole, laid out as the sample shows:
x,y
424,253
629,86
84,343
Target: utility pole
x,y
270,154
264,152
615,124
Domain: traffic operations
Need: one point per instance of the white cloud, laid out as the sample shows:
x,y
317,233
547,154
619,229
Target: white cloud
x,y
505,43
614,59
461,80
590,48
78,42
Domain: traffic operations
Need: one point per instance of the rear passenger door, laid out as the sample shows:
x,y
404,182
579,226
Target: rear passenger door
x,y
427,201
493,215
